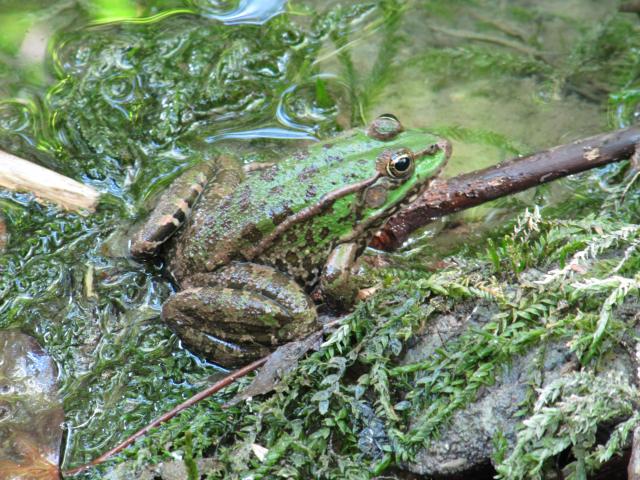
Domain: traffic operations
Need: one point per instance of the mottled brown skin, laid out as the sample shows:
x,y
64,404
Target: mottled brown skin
x,y
258,239
241,311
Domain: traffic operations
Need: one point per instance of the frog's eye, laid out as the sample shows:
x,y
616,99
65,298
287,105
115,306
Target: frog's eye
x,y
400,164
389,116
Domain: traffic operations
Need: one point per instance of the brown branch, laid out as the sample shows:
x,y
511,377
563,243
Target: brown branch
x,y
630,7
229,379
446,196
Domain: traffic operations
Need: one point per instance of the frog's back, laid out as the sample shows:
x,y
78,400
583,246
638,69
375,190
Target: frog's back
x,y
225,227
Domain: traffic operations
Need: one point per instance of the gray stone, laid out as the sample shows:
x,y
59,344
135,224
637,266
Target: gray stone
x,y
465,443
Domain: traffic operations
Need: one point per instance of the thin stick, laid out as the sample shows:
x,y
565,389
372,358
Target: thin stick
x,y
229,379
446,196
21,175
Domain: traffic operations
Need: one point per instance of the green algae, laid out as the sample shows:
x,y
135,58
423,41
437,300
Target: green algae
x,y
125,106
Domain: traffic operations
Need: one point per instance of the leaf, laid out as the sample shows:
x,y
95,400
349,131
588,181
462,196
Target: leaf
x,y
30,409
280,362
33,463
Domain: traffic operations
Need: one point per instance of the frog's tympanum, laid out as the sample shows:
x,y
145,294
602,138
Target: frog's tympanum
x,y
260,240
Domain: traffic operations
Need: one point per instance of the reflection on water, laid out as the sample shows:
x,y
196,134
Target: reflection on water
x,y
126,106
247,11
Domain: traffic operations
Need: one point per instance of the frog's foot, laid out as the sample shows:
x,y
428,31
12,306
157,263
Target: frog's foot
x,y
175,204
172,210
337,285
240,313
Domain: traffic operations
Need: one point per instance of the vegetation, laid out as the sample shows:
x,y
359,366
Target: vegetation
x,y
134,103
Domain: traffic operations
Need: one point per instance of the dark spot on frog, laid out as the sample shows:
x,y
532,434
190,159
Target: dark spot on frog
x,y
307,173
348,178
301,154
276,190
309,237
269,174
327,146
311,192
324,233
227,224
279,217
244,202
331,159
252,235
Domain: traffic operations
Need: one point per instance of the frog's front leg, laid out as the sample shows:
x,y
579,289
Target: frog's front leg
x,y
240,313
337,284
175,204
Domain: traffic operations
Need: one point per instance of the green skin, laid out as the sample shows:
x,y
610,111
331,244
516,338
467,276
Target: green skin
x,y
257,243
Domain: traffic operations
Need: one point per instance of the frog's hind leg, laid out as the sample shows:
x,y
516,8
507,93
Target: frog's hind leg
x,y
240,313
175,204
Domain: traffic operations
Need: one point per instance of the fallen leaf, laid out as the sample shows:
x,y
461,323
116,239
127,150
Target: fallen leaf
x,y
280,362
31,412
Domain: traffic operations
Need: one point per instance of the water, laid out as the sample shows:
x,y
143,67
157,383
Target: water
x,y
126,105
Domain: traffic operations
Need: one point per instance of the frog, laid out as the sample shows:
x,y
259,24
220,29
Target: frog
x,y
254,250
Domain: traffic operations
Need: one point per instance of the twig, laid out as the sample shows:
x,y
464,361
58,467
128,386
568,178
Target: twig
x,y
630,7
229,379
444,197
21,175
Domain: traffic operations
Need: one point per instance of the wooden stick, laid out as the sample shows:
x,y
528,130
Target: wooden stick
x,y
207,392
21,175
446,196
630,7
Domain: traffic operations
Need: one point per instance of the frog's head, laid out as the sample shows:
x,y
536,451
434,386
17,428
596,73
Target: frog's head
x,y
351,185
406,162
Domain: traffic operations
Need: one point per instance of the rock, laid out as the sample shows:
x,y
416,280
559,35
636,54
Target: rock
x,y
464,445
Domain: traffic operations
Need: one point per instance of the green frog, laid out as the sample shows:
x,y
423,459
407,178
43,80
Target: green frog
x,y
248,245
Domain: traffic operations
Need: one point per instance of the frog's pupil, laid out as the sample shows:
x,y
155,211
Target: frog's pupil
x,y
402,163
